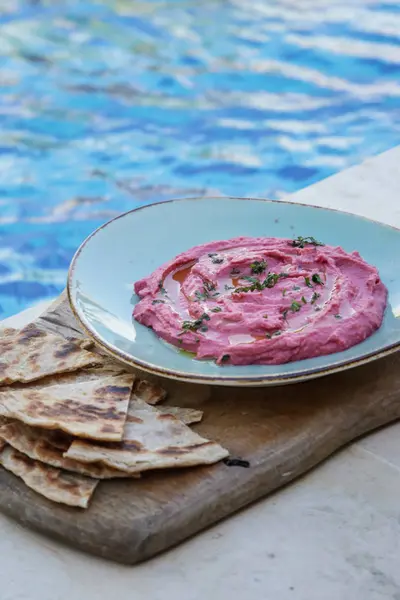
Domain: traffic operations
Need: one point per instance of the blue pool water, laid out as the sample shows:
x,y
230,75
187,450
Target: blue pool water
x,y
110,105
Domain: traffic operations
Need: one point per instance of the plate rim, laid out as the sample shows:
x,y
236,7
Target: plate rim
x,y
237,380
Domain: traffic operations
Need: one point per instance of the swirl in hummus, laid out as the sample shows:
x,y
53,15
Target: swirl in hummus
x,y
262,300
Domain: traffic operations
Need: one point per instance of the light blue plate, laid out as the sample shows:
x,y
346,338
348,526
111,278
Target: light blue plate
x,y
102,273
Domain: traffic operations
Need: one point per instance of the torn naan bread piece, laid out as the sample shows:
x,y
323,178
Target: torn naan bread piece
x,y
30,353
152,440
150,392
186,415
48,446
95,408
54,484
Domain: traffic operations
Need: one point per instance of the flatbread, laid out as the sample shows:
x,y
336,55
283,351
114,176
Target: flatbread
x,y
150,392
186,415
152,440
94,408
31,353
48,446
54,484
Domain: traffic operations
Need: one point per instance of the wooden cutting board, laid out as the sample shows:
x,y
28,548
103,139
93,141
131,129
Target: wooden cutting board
x,y
282,432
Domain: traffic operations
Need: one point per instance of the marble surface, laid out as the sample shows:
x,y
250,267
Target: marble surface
x,y
333,534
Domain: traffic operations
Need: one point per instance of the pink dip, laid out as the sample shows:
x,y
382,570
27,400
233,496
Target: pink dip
x,y
303,299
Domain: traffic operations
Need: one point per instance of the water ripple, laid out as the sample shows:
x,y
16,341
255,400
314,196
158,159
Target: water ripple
x,y
108,105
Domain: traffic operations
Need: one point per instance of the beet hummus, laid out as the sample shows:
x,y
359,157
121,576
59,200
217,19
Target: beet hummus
x,y
262,300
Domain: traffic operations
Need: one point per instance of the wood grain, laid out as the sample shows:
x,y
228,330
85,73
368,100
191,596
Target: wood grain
x,y
282,432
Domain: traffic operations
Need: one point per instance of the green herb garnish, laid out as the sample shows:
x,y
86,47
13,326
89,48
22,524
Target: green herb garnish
x,y
269,336
304,301
296,288
208,291
284,314
300,242
200,296
217,261
284,292
216,309
195,325
271,280
209,286
338,316
229,287
317,279
225,357
258,267
308,282
256,285
161,287
295,307
315,297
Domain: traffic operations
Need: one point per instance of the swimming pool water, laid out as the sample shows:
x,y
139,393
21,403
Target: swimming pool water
x,y
111,105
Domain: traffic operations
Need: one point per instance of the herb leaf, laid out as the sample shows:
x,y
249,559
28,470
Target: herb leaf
x,y
317,279
315,297
300,242
209,286
216,309
269,335
308,282
295,307
304,301
199,295
338,316
258,267
225,357
269,282
195,325
208,291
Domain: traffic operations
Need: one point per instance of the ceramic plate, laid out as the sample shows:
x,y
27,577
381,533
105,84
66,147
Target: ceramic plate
x,y
131,246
